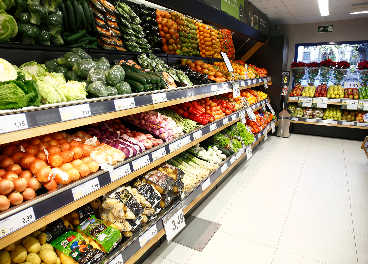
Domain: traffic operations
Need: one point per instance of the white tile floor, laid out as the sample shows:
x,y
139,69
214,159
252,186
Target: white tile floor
x,y
301,200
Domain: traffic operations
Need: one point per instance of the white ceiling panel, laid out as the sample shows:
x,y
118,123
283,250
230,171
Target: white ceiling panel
x,y
305,11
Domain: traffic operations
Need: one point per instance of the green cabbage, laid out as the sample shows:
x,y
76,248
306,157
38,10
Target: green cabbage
x,y
54,78
8,26
7,71
49,93
73,90
15,94
34,69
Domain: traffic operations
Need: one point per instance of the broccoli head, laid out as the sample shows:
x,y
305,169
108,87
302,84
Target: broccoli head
x,y
38,13
29,30
51,5
44,36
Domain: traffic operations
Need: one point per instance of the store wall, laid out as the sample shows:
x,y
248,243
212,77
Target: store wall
x,y
344,30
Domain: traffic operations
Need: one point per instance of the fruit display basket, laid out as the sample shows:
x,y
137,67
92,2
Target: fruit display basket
x,y
339,75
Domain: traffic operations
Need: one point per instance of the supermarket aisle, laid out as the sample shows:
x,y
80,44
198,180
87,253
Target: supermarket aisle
x,y
299,200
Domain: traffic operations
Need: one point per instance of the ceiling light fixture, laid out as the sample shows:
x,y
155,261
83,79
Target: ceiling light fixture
x,y
359,9
323,7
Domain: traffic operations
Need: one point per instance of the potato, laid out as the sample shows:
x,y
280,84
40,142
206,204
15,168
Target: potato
x,y
47,246
66,259
26,263
43,228
58,261
36,233
18,254
74,215
10,247
48,256
31,244
58,252
75,221
42,238
18,242
33,258
68,217
66,223
5,257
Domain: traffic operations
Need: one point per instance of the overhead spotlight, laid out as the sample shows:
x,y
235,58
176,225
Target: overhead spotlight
x,y
359,9
323,7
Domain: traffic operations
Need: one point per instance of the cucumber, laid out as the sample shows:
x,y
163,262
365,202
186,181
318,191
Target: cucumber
x,y
135,77
65,17
136,87
92,23
77,14
146,76
154,79
147,87
83,17
134,69
226,151
71,17
75,37
86,12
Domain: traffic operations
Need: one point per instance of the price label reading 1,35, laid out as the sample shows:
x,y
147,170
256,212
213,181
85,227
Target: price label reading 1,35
x,y
85,188
16,221
11,123
124,103
141,162
249,153
120,172
159,98
197,135
74,112
174,224
148,235
157,154
117,260
213,126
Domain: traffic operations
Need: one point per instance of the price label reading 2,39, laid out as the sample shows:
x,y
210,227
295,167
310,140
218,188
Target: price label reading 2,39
x,y
16,221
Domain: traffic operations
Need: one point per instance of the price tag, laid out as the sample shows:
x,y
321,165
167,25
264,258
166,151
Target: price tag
x,y
359,124
213,126
263,103
273,127
148,235
249,82
85,188
242,113
305,101
175,146
174,222
124,103
350,104
243,120
10,123
311,120
363,104
293,99
233,117
117,260
159,98
345,123
227,62
185,141
197,134
205,184
320,102
265,83
233,159
214,88
332,122
236,91
333,100
249,153
225,120
254,81
120,172
74,112
239,153
251,114
141,162
242,83
224,168
294,119
351,84
157,154
265,134
16,221
269,107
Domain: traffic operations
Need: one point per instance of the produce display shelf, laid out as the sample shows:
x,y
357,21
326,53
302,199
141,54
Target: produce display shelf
x,y
35,121
330,101
48,207
132,249
329,122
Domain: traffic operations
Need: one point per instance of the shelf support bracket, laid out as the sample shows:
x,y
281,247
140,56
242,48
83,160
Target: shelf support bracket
x,y
253,50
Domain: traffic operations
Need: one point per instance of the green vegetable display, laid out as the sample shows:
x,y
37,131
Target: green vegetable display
x,y
8,26
15,94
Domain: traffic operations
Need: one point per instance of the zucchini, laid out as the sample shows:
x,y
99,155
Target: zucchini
x,y
147,87
75,37
154,79
226,151
131,68
136,87
86,12
71,17
146,76
136,77
77,14
91,17
65,17
83,17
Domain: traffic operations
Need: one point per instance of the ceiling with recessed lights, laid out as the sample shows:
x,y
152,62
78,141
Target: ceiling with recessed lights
x,y
282,12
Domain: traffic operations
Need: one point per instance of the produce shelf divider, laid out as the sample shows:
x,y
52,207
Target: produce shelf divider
x,y
323,122
50,206
42,121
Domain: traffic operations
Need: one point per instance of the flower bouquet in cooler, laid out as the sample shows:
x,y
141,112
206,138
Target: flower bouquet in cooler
x,y
298,70
340,71
313,70
325,70
363,79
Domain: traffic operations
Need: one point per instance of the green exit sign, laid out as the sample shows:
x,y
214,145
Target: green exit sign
x,y
328,28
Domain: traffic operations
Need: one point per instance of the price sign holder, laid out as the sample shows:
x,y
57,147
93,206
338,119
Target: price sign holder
x,y
349,104
363,104
213,126
345,123
249,152
74,112
294,119
141,162
197,135
269,107
10,123
206,183
174,222
320,102
159,98
249,82
124,103
148,235
85,188
265,135
157,154
16,221
236,91
305,101
117,260
242,83
175,146
351,84
224,167
225,120
233,159
120,172
227,62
